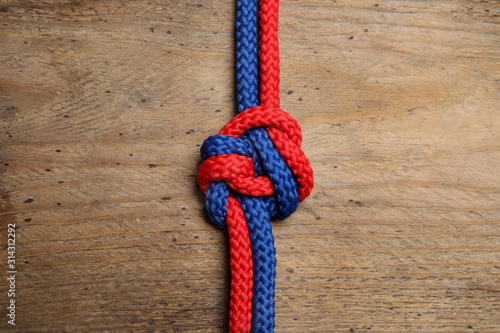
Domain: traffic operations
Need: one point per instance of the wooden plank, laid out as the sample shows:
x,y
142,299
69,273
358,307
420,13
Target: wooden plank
x,y
104,105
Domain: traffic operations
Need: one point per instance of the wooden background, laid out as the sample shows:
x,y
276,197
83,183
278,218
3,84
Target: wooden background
x,y
103,107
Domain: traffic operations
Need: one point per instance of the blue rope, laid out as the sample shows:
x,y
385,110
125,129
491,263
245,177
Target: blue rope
x,y
259,211
256,214
256,144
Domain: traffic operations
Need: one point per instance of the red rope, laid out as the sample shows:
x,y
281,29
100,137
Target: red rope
x,y
269,57
240,307
241,257
238,171
286,136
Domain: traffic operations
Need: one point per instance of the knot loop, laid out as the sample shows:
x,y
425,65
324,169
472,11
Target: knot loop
x,y
238,159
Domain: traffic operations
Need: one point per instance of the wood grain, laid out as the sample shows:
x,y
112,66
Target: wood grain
x,y
104,105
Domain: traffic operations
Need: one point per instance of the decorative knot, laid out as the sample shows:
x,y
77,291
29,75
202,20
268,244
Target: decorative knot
x,y
239,160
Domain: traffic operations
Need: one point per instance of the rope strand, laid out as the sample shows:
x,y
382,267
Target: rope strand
x,y
269,58
254,170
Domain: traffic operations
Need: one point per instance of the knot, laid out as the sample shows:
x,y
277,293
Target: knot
x,y
239,160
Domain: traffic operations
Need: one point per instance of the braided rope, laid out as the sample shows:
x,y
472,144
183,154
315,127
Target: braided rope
x,y
254,170
269,53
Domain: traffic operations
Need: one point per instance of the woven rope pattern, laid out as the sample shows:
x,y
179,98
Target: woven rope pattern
x,y
254,170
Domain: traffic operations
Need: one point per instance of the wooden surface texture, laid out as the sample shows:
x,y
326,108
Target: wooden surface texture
x,y
103,108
